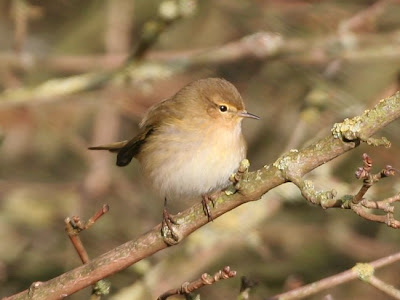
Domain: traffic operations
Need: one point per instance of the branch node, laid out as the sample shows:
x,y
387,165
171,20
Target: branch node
x,y
364,271
364,171
207,279
34,286
388,171
282,163
325,199
185,288
348,130
347,201
101,287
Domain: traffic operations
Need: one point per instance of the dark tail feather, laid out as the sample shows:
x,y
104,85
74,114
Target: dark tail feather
x,y
133,147
128,152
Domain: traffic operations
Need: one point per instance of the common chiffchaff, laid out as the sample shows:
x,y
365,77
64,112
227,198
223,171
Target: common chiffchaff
x,y
190,144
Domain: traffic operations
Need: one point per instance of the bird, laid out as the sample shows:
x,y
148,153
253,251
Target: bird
x,y
191,143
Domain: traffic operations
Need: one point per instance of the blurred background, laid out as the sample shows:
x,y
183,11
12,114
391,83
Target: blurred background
x,y
66,84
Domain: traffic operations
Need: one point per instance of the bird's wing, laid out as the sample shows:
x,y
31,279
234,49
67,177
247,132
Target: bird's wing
x,y
127,150
132,147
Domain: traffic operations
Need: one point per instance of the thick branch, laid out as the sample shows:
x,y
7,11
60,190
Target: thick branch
x,y
251,187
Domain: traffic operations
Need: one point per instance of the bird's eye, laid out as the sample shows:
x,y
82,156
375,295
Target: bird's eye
x,y
223,108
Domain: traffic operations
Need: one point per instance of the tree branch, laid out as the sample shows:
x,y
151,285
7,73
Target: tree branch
x,y
205,279
294,164
169,12
260,45
361,271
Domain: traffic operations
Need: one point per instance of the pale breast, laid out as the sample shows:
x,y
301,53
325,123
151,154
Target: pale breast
x,y
182,163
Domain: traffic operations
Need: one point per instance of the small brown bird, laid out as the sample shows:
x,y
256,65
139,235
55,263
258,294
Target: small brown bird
x,y
189,144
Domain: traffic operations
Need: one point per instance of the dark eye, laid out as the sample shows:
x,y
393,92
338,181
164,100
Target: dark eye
x,y
223,108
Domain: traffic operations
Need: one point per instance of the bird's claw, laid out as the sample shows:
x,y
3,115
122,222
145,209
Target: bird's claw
x,y
168,232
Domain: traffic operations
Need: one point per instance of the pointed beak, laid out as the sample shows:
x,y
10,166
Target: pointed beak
x,y
246,114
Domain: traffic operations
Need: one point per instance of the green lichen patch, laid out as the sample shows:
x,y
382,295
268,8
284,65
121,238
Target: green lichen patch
x,y
349,129
364,271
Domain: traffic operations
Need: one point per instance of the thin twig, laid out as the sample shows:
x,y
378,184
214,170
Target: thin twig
x,y
73,226
384,287
357,203
363,173
205,279
335,280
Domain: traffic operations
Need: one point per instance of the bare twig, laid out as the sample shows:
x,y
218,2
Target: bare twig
x,y
384,287
76,225
357,203
205,279
368,178
73,226
335,280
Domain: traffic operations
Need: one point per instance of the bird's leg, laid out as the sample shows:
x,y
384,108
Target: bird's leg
x,y
205,199
167,230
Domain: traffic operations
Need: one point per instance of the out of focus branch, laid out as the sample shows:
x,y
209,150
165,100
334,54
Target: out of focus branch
x,y
169,12
361,271
261,45
364,19
22,12
251,187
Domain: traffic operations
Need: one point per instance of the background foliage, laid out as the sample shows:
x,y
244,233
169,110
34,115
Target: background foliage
x,y
335,59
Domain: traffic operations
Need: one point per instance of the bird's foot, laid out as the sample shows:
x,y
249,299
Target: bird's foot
x,y
168,231
205,199
241,173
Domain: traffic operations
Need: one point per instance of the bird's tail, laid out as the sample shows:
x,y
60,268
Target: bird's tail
x,y
127,149
113,147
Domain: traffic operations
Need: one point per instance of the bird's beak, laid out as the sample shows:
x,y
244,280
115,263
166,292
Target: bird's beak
x,y
246,114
